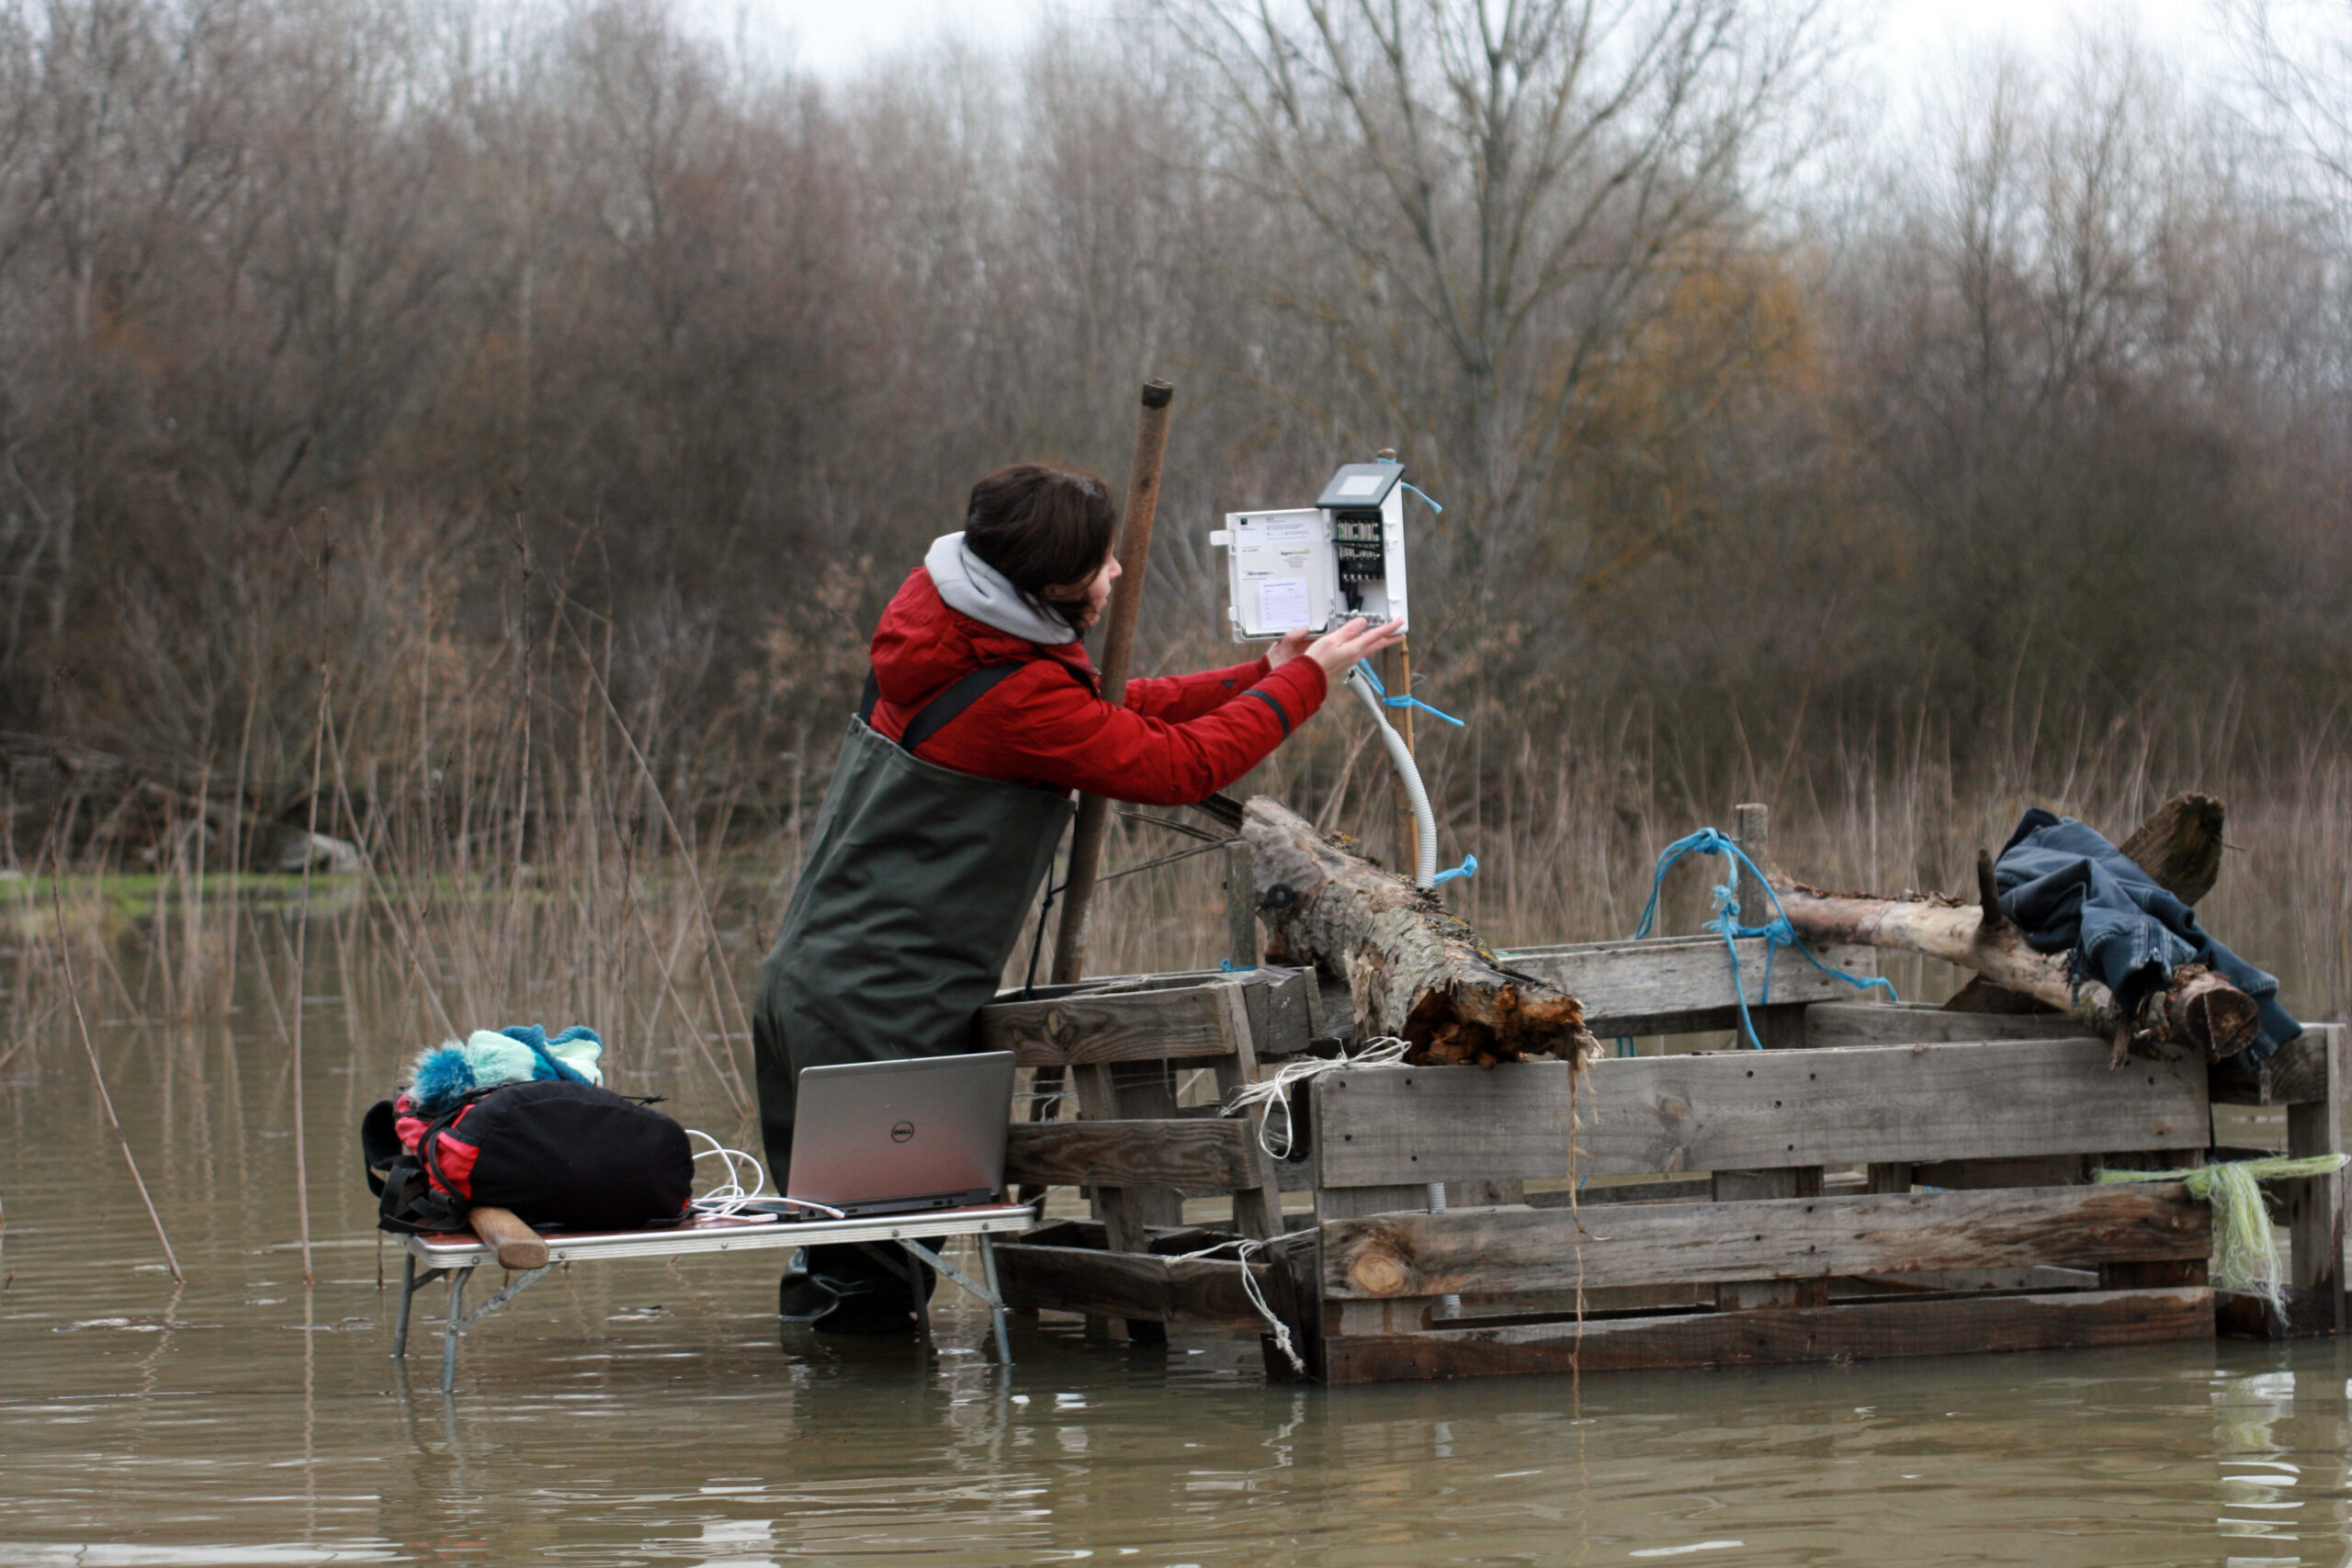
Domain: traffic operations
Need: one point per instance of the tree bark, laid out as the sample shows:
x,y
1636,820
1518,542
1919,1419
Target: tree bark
x,y
2196,1007
2179,845
1414,971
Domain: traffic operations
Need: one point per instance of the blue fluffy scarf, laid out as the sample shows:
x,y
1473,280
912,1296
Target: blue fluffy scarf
x,y
518,1055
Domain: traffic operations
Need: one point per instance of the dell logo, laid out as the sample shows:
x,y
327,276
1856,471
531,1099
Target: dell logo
x,y
902,1131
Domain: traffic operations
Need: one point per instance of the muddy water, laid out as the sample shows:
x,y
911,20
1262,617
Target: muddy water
x,y
644,1413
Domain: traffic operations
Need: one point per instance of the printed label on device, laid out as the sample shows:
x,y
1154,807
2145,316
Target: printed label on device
x,y
1281,602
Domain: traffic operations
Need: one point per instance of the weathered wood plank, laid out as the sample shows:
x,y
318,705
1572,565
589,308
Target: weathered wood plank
x,y
1748,1186
1257,1191
1198,1155
2296,1074
1672,1190
1135,1286
1857,1331
1348,1202
1091,1028
1888,1023
1753,1109
2044,1277
1480,1251
1145,1091
1681,984
1392,1127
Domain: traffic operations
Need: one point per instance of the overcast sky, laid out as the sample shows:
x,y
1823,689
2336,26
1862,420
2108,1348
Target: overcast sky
x,y
834,37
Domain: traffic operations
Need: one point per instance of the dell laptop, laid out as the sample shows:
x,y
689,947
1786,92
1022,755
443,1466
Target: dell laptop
x,y
901,1137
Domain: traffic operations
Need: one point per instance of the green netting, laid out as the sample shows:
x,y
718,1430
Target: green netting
x,y
2246,1259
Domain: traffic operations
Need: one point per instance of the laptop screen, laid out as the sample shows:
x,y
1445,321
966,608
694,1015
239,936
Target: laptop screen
x,y
928,1132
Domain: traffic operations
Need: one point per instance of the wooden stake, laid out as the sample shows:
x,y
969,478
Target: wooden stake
x,y
1118,646
1396,674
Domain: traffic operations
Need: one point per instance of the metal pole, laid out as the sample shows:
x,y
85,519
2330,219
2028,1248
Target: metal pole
x,y
456,1331
1118,644
408,1294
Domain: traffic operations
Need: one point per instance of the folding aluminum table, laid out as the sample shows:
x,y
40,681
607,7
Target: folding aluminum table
x,y
458,1254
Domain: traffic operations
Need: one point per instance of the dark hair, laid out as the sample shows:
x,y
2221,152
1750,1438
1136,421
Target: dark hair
x,y
1043,526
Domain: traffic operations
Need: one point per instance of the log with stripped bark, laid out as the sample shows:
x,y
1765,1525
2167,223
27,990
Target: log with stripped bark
x,y
2179,845
2195,1007
1414,971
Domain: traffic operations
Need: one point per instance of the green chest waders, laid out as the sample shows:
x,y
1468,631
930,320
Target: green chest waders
x,y
912,898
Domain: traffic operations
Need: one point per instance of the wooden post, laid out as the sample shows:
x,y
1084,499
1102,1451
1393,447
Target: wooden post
x,y
2315,1207
1397,675
1240,905
1099,1098
1779,1028
1890,1176
1118,647
1257,1210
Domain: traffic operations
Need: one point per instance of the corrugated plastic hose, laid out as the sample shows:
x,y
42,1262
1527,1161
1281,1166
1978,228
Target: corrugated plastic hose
x,y
1401,755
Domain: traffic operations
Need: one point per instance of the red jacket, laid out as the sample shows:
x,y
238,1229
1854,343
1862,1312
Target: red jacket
x,y
1178,738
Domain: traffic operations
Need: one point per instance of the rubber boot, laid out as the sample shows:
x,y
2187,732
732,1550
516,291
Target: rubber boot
x,y
848,1289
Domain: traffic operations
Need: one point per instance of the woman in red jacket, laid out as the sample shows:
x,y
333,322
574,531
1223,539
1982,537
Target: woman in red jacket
x,y
981,716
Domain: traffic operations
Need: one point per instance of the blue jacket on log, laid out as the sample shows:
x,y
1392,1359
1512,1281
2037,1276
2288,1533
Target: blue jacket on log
x,y
2070,891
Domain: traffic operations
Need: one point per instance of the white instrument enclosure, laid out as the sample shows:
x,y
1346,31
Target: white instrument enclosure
x,y
1282,570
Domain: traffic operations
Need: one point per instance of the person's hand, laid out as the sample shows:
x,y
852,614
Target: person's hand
x,y
1292,645
1338,651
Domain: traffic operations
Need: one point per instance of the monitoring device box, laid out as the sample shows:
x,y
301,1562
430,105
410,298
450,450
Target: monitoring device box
x,y
1320,566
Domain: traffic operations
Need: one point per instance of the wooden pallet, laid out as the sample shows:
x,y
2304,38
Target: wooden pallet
x,y
1883,1180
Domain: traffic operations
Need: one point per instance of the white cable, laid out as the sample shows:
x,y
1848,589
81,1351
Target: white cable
x,y
730,1196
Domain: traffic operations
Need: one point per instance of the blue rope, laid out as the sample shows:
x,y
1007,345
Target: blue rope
x,y
1469,868
1403,701
1422,493
1776,932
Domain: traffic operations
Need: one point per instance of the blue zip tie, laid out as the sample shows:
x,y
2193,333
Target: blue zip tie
x,y
1469,868
1405,701
1422,493
1776,932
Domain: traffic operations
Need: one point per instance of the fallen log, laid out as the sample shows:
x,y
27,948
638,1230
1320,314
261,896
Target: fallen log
x,y
1414,971
2179,845
2196,1007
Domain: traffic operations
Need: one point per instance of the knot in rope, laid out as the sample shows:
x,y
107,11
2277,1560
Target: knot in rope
x,y
1776,933
1404,700
2246,1259
1469,868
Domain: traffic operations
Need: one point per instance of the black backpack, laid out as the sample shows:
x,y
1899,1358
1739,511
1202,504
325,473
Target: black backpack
x,y
557,1153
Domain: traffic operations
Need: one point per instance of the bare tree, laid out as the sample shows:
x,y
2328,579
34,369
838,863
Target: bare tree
x,y
1501,192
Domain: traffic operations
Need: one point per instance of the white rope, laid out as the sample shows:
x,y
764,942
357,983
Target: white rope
x,y
1387,1051
1247,1252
